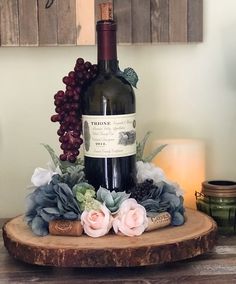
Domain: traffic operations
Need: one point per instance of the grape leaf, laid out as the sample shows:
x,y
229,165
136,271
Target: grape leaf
x,y
129,75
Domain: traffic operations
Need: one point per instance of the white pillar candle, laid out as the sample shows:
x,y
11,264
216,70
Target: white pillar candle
x,y
183,161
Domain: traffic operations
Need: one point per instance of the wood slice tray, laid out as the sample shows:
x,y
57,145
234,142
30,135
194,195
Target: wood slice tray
x,y
196,236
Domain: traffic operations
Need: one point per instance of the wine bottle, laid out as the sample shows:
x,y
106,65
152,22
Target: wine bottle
x,y
108,117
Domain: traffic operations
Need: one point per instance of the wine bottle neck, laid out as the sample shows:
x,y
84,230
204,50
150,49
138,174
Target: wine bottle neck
x,y
108,66
106,46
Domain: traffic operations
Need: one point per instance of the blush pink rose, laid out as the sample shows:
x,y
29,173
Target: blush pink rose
x,y
131,219
97,223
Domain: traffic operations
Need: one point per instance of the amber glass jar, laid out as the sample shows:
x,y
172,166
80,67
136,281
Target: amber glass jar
x,y
218,200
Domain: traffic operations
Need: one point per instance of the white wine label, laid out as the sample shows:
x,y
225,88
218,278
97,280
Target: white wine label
x,y
109,136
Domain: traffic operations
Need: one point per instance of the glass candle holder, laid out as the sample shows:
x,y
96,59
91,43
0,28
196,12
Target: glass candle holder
x,y
218,200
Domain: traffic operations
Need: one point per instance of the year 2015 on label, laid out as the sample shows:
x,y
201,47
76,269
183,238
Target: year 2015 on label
x,y
109,136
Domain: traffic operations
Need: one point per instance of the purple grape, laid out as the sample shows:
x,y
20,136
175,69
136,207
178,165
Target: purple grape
x,y
67,108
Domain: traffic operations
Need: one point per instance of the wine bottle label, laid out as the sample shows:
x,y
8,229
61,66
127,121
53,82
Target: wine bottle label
x,y
109,136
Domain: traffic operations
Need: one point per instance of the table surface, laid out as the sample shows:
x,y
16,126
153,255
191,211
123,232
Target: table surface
x,y
217,266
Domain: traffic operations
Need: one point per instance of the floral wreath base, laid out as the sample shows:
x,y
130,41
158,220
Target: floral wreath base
x,y
63,203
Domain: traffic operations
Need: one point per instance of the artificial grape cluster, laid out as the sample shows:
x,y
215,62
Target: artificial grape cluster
x,y
142,190
68,110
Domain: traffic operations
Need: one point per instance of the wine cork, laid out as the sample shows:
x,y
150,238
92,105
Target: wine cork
x,y
159,221
106,11
65,228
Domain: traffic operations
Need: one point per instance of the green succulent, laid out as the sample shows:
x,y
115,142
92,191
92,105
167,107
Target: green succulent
x,y
111,199
85,195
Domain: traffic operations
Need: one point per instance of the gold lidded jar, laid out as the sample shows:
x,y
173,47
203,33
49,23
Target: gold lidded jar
x,y
218,200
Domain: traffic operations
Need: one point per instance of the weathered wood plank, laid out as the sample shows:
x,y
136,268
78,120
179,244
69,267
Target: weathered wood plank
x,y
178,20
9,25
141,18
195,20
28,22
85,18
122,15
47,21
159,20
66,22
0,21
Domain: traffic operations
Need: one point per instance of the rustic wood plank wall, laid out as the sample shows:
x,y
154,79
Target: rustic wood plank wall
x,y
195,21
72,22
141,19
85,22
159,21
178,20
28,22
9,18
122,15
47,19
66,22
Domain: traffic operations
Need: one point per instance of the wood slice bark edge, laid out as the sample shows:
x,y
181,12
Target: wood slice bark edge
x,y
110,257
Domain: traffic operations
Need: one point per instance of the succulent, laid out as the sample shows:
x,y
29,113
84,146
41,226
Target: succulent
x,y
85,195
111,199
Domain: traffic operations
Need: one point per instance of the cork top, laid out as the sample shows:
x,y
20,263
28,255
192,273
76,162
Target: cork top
x,y
106,11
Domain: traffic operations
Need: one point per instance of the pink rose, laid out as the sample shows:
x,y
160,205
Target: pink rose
x,y
131,219
96,223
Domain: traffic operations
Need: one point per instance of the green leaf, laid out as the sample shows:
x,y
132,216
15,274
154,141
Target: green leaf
x,y
53,155
141,146
63,165
153,154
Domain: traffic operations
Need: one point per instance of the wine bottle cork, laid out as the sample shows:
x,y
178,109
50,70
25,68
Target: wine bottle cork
x,y
65,228
159,221
106,11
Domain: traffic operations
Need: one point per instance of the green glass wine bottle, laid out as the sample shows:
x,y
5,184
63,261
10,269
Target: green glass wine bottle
x,y
108,116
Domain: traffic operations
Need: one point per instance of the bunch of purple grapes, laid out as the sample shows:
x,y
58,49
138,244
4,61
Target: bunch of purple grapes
x,y
68,108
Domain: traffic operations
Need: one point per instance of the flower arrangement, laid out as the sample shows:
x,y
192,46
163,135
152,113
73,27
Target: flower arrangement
x,y
61,192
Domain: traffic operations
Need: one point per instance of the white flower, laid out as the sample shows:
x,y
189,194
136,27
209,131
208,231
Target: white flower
x,y
42,176
149,171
